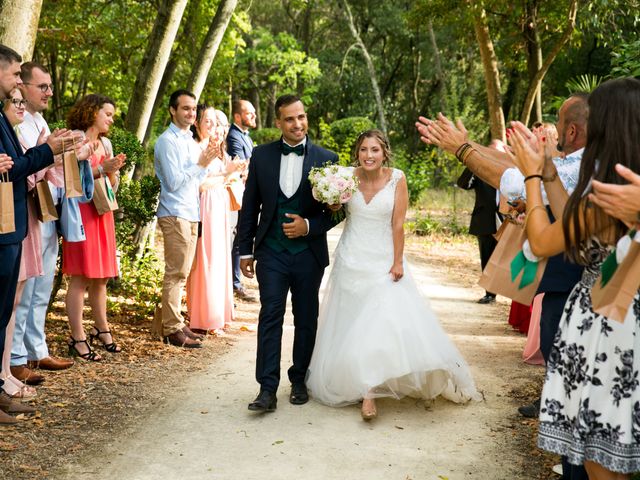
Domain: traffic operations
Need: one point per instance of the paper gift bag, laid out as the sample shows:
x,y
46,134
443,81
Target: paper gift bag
x,y
611,296
104,198
72,183
7,218
509,274
45,208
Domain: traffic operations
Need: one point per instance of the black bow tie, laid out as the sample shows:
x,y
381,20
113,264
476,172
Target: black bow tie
x,y
298,149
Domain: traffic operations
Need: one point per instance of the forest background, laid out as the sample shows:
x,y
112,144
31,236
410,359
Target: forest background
x,y
357,64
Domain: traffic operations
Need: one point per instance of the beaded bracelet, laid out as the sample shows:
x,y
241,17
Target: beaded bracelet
x,y
460,153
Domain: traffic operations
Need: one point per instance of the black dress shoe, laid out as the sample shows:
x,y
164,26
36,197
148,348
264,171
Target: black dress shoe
x,y
266,401
298,395
530,411
487,299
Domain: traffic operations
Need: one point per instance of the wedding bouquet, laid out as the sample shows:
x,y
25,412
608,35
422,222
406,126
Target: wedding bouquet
x,y
333,185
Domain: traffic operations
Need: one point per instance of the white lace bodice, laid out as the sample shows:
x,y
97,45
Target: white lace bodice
x,y
367,239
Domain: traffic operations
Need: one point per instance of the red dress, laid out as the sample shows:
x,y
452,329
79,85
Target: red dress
x,y
96,256
520,316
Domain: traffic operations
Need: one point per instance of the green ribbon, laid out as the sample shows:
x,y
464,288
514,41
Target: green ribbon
x,y
527,267
110,195
610,265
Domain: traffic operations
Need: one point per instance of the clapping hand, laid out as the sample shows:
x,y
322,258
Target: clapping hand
x,y
114,164
208,154
442,133
619,201
85,149
6,162
528,154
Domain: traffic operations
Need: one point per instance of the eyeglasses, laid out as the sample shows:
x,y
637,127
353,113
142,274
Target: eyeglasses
x,y
42,86
18,102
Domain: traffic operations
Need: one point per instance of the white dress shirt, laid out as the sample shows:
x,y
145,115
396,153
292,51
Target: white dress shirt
x,y
291,171
30,129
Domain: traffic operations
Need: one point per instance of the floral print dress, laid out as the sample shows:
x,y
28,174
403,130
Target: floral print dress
x,y
591,398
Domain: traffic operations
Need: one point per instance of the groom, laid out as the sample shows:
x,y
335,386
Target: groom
x,y
284,230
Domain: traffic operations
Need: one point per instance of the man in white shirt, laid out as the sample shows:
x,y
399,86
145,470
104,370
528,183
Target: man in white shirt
x,y
29,340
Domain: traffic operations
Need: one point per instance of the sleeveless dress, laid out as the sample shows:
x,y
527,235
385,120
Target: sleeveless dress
x,y
209,285
377,337
590,406
96,256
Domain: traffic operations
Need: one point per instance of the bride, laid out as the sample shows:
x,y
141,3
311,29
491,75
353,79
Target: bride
x,y
377,337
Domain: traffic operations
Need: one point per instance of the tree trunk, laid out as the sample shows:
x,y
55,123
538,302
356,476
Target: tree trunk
x,y
534,51
438,67
491,72
183,40
153,65
536,82
210,46
19,25
372,71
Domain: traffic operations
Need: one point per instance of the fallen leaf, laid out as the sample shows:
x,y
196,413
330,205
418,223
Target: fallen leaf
x,y
277,442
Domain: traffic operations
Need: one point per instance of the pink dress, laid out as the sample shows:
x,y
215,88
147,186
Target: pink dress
x,y
96,256
31,259
209,286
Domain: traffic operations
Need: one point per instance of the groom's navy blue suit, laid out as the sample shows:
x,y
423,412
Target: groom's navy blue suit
x,y
284,264
25,164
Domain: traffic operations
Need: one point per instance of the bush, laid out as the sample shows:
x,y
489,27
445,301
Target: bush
x,y
265,135
342,134
425,224
138,200
126,142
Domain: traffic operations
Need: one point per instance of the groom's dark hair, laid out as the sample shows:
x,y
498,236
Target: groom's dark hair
x,y
285,100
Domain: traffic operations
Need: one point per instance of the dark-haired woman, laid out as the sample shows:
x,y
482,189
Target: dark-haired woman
x,y
590,410
92,262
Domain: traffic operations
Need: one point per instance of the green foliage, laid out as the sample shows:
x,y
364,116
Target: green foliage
x,y
138,200
140,281
342,134
583,83
265,135
126,142
426,224
626,60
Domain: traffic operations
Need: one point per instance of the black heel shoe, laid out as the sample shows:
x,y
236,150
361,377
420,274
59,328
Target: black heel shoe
x,y
109,347
89,356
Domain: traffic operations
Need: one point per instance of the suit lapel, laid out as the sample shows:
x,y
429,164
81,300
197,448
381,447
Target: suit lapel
x,y
10,132
273,168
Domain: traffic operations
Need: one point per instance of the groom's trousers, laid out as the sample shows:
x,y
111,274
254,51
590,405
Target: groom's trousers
x,y
277,273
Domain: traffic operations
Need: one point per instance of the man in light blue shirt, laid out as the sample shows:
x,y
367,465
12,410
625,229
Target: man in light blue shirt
x,y
180,166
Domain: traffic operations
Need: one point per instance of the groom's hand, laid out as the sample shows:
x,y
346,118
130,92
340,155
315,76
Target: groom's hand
x,y
296,228
246,265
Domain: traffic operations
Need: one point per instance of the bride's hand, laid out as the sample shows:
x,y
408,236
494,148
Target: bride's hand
x,y
397,271
335,207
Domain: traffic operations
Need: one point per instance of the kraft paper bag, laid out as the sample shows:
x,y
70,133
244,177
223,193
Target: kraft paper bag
x,y
72,183
234,204
7,216
613,298
45,208
104,198
497,276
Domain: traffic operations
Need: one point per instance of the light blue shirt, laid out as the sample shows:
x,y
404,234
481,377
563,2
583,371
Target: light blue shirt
x,y
176,156
512,181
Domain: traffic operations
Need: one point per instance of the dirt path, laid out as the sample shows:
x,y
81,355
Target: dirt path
x,y
203,430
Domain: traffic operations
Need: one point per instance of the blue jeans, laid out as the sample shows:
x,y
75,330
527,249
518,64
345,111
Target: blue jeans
x,y
29,339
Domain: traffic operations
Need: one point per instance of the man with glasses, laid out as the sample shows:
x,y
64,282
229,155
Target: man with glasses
x,y
29,339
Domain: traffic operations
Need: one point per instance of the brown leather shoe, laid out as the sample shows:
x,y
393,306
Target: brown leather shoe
x,y
8,405
50,363
179,339
26,375
191,334
7,420
243,295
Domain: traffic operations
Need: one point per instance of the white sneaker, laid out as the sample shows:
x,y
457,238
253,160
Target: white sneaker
x,y
557,469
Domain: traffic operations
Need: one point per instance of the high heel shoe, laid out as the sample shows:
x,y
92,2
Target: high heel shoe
x,y
368,411
89,356
109,347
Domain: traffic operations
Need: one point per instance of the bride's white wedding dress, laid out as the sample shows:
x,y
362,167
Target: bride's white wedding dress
x,y
377,337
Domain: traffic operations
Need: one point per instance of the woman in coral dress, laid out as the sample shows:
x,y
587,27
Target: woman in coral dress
x,y
209,286
92,262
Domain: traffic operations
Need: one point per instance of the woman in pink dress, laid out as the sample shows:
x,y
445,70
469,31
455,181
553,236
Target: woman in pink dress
x,y
209,286
91,263
31,259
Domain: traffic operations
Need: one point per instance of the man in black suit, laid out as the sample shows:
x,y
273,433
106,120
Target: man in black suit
x,y
284,229
19,167
483,219
239,144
